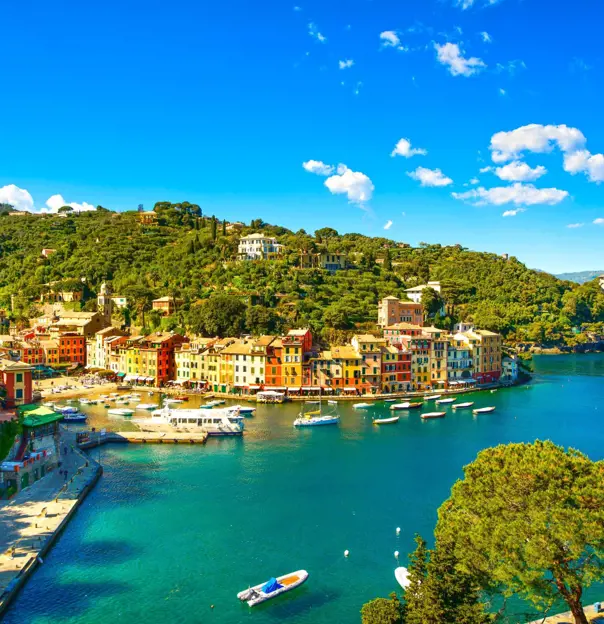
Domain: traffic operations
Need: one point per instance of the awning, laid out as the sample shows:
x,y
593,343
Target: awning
x,y
350,389
311,388
240,385
276,387
121,374
254,387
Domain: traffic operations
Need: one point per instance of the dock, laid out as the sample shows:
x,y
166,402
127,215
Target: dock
x,y
567,618
97,438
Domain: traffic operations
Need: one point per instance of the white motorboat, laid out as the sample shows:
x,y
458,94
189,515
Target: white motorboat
x,y
484,410
429,415
219,422
243,409
444,401
463,405
389,400
120,411
173,401
147,406
361,405
386,421
273,587
401,574
434,397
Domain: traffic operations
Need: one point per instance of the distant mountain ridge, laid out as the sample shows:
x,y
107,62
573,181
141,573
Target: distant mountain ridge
x,y
580,277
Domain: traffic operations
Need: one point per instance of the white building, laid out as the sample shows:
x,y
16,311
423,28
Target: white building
x,y
509,369
119,301
258,247
415,293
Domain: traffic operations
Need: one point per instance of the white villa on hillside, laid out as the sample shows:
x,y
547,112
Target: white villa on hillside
x,y
258,247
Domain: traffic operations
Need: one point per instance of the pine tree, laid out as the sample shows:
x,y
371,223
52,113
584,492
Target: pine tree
x,y
387,261
214,228
224,227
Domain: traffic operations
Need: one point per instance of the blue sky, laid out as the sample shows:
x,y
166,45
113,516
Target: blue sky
x,y
127,102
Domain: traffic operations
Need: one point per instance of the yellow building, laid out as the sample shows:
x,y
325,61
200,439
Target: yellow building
x,y
370,349
338,368
486,353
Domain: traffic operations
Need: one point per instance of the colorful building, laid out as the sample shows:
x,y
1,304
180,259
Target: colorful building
x,y
16,381
393,333
338,369
392,310
486,354
419,347
459,361
72,349
396,369
370,349
438,356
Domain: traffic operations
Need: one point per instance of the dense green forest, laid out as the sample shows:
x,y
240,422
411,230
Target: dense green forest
x,y
192,257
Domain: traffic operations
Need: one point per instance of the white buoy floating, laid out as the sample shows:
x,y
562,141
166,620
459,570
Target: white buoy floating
x,y
396,553
346,553
398,530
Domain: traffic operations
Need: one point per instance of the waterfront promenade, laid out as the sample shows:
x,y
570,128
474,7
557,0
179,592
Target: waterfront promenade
x,y
32,520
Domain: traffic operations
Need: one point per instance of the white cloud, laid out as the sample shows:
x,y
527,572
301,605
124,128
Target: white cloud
x,y
390,39
574,226
599,221
584,161
502,92
430,177
474,181
534,138
388,224
539,139
318,167
403,148
518,194
56,201
17,197
356,185
347,64
21,199
511,66
464,4
518,171
313,31
513,213
451,55
486,37
297,8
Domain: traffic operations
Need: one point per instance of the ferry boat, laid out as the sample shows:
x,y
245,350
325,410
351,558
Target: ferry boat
x,y
428,415
462,405
273,587
219,422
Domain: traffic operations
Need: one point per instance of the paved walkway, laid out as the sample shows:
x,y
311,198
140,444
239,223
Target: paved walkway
x,y
29,520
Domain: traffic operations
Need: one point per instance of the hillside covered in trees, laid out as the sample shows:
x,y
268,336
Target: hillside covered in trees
x,y
193,257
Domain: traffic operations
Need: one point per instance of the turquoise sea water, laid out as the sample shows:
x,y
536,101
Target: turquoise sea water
x,y
170,531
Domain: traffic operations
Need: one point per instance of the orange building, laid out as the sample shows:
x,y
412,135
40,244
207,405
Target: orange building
x,y
273,373
72,348
31,353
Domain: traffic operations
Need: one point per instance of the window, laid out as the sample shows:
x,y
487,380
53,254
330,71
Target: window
x,y
19,378
19,394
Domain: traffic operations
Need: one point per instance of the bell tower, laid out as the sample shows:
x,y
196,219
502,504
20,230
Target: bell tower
x,y
104,302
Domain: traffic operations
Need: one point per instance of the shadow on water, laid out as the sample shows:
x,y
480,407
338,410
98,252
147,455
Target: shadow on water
x,y
106,552
299,601
46,600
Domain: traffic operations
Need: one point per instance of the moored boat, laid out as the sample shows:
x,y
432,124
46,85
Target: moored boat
x,y
434,397
147,406
465,405
74,418
243,409
401,574
361,405
220,422
389,400
386,421
120,411
65,409
273,587
428,415
316,417
445,401
405,406
484,410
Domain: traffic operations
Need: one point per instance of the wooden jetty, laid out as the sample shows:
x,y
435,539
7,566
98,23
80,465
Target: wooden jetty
x,y
96,438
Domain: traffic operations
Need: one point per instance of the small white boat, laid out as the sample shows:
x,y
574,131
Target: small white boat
x,y
120,411
219,401
85,401
332,402
428,415
273,587
386,421
243,409
401,574
209,405
405,406
389,400
483,410
65,409
75,418
493,391
361,405
174,401
463,405
445,401
147,406
434,397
